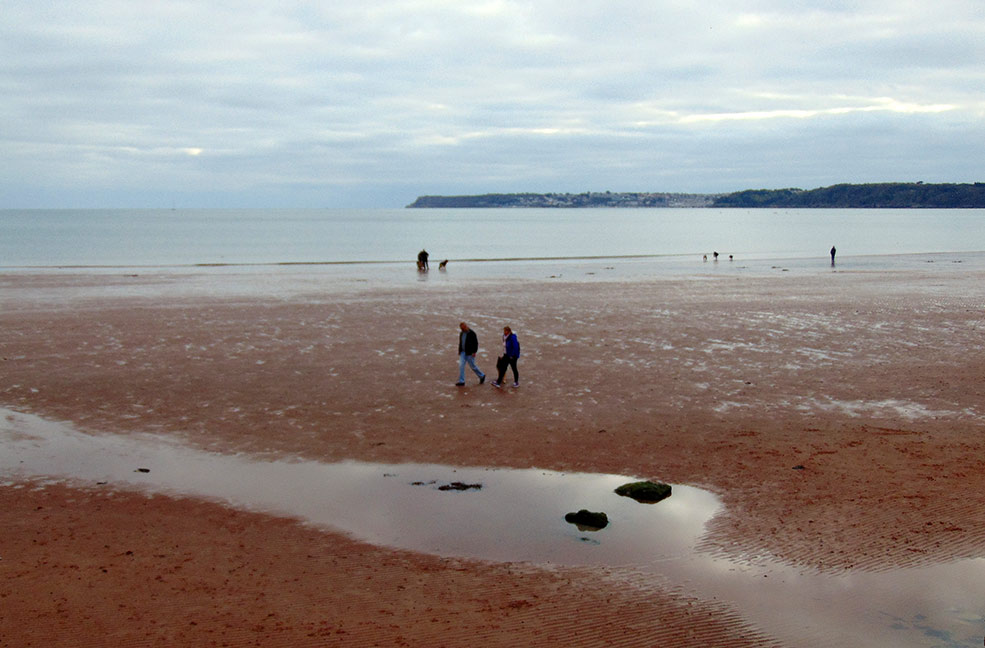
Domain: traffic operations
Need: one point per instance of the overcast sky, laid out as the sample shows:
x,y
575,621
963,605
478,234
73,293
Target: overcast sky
x,y
365,103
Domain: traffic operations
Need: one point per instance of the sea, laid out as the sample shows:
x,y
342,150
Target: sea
x,y
486,242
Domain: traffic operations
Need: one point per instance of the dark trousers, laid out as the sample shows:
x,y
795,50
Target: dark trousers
x,y
504,362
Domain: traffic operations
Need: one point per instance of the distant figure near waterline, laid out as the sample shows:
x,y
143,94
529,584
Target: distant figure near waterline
x,y
715,254
422,260
833,250
704,258
443,264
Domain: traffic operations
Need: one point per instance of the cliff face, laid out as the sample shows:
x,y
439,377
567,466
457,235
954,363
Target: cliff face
x,y
893,194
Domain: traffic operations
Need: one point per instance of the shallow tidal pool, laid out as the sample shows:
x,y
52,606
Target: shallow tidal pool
x,y
507,515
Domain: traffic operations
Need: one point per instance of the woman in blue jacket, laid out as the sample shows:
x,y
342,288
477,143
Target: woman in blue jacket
x,y
511,352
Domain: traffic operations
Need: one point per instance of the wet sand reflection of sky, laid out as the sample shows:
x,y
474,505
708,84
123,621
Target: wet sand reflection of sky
x,y
518,516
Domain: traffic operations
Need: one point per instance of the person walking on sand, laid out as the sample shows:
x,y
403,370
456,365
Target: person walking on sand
x,y
833,250
468,346
422,260
511,352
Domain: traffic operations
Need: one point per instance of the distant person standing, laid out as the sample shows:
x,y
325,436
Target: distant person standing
x,y
833,250
468,346
511,352
422,260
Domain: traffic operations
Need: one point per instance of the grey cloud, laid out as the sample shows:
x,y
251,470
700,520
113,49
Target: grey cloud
x,y
278,102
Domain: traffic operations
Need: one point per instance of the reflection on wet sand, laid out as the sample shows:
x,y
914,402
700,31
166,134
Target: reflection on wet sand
x,y
518,516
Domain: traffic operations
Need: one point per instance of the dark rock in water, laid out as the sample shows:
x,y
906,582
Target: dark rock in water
x,y
459,486
587,520
142,470
647,492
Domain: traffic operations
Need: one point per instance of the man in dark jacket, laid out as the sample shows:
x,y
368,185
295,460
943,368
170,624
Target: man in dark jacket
x,y
468,346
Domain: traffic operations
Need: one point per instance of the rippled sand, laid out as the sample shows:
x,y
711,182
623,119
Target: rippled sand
x,y
837,415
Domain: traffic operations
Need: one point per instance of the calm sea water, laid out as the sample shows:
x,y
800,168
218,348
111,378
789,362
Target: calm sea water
x,y
141,238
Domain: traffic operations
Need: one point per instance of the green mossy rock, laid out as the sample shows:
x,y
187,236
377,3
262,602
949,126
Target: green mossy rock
x,y
647,492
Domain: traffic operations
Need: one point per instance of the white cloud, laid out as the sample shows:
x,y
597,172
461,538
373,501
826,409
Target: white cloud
x,y
882,104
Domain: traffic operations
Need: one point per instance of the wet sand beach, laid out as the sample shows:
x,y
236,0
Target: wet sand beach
x,y
836,414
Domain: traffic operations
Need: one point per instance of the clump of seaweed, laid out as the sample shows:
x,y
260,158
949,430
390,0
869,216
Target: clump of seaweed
x,y
459,486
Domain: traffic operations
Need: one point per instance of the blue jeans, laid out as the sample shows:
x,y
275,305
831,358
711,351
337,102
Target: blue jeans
x,y
470,359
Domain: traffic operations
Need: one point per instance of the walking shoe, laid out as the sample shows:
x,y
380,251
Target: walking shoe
x,y
482,379
459,384
496,383
516,384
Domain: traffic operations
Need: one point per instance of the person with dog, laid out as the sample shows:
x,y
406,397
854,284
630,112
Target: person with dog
x,y
511,353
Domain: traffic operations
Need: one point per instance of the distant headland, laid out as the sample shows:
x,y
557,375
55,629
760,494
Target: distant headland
x,y
917,195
